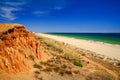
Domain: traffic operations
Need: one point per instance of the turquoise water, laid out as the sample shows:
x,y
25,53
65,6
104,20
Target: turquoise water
x,y
112,38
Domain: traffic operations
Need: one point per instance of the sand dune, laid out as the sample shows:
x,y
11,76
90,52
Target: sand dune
x,y
112,51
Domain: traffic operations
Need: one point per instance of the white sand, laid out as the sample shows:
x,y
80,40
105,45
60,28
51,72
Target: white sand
x,y
109,50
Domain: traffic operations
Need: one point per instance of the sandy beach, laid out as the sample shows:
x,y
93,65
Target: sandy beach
x,y
110,50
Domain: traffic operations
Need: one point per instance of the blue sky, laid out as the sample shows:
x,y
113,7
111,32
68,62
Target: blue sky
x,y
63,15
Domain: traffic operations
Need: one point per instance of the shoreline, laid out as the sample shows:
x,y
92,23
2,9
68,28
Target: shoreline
x,y
109,50
102,40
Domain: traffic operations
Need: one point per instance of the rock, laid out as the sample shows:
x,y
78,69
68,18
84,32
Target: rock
x,y
16,45
113,62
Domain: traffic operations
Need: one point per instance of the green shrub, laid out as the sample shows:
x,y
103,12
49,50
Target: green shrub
x,y
77,63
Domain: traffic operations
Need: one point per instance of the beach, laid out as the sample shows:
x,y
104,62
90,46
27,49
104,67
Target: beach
x,y
109,50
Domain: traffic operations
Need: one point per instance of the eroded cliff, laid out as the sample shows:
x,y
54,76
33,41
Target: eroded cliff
x,y
18,48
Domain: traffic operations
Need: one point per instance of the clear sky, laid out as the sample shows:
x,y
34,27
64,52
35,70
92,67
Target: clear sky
x,y
63,15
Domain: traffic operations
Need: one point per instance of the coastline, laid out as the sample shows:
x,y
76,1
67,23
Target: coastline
x,y
106,49
110,38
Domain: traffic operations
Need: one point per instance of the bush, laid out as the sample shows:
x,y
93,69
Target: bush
x,y
64,66
68,72
37,66
32,57
118,63
37,72
77,63
56,69
61,73
3,38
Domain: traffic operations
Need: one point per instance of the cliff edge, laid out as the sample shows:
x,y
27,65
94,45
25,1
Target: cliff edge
x,y
18,48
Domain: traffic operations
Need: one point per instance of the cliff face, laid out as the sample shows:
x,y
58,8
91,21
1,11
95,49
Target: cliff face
x,y
18,48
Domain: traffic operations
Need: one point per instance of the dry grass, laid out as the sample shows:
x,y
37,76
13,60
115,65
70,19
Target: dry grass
x,y
50,43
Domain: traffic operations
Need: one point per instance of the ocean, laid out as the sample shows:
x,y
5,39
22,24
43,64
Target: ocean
x,y
112,38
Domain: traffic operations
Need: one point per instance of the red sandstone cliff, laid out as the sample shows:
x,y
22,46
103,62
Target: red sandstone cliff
x,y
18,48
